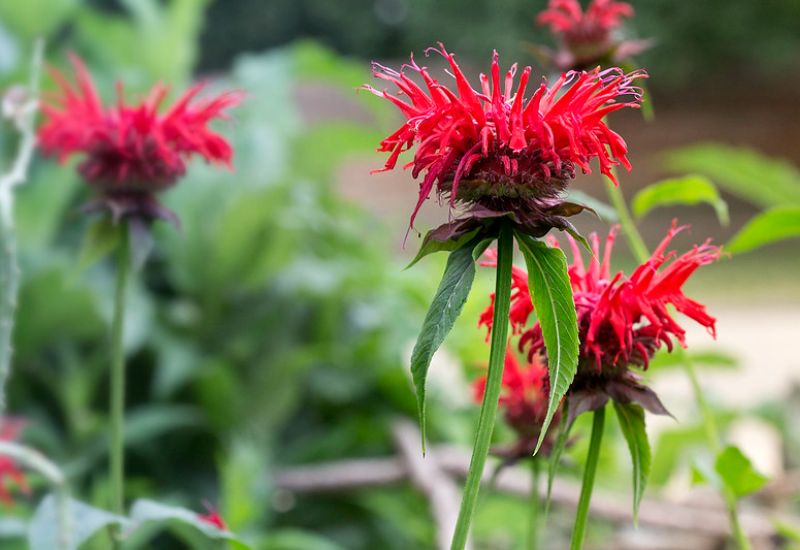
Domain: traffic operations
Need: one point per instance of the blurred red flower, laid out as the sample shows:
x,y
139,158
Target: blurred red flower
x,y
132,152
567,19
9,471
478,146
524,394
212,517
588,37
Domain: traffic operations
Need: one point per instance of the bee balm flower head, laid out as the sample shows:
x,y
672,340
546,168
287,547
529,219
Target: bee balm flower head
x,y
588,37
622,320
495,149
132,152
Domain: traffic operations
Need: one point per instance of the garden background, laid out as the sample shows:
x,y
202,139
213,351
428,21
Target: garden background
x,y
273,329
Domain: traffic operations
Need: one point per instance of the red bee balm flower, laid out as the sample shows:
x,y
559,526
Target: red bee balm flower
x,y
132,152
9,431
587,36
493,147
622,320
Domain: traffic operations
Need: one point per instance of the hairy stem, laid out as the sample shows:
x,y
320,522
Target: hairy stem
x,y
16,175
494,378
582,515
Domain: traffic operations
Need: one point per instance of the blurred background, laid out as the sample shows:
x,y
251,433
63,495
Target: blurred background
x,y
272,330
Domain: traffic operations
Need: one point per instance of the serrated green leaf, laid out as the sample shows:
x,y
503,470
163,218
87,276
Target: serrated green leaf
x,y
631,421
551,294
776,224
737,472
431,245
688,190
444,310
761,180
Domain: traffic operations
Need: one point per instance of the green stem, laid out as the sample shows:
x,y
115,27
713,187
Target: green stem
x,y
117,450
534,504
635,241
502,304
639,249
582,516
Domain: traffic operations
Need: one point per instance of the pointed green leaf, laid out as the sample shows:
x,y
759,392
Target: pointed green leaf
x,y
144,510
66,523
605,211
442,314
761,180
688,190
737,472
551,293
101,239
437,240
631,421
776,224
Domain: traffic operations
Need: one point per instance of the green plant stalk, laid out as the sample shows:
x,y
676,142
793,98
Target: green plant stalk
x,y
494,378
534,505
639,249
117,449
582,515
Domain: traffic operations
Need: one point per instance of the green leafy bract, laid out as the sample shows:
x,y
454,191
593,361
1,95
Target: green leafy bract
x,y
688,190
776,224
551,293
442,314
631,421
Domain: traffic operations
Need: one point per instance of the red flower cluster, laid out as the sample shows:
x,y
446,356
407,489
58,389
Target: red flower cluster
x,y
132,152
567,19
524,397
622,320
494,142
9,431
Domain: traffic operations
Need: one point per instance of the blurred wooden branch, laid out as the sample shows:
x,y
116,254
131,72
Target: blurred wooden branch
x,y
426,474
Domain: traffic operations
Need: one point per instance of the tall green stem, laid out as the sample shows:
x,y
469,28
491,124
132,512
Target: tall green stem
x,y
534,504
635,241
641,253
502,304
117,450
582,516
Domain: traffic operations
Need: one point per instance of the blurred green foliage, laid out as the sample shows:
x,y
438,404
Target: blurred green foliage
x,y
696,40
273,327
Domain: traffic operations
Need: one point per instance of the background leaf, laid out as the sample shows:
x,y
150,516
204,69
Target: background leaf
x,y
737,472
688,190
779,223
443,312
551,293
756,178
84,522
631,421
